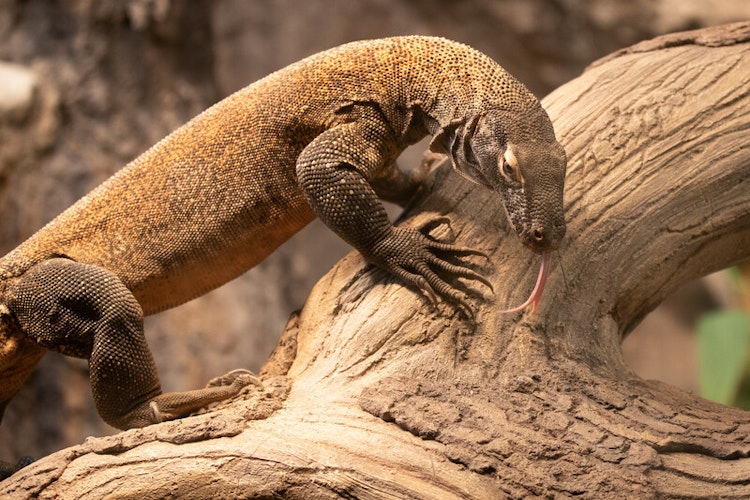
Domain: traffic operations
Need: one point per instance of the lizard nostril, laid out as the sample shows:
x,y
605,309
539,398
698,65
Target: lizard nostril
x,y
539,235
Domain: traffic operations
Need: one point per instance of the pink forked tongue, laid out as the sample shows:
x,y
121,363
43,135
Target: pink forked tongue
x,y
536,294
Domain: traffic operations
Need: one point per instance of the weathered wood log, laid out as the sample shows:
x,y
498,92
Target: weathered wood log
x,y
374,394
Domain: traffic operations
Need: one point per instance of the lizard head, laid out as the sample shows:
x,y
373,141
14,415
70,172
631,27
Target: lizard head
x,y
517,156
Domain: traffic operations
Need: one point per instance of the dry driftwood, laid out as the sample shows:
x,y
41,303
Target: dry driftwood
x,y
388,398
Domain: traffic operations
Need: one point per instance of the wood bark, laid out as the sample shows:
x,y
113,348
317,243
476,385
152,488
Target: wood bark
x,y
373,394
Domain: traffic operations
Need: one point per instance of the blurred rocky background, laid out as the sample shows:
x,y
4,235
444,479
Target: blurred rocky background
x,y
87,85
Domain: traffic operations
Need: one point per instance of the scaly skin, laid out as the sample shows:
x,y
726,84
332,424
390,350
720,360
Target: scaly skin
x,y
219,194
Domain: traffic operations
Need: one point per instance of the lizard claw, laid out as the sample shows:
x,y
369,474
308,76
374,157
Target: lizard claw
x,y
456,250
157,416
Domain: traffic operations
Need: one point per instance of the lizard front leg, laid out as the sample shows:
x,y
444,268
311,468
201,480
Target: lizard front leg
x,y
333,171
86,311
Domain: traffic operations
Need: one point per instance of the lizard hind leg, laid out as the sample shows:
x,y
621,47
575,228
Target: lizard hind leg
x,y
87,311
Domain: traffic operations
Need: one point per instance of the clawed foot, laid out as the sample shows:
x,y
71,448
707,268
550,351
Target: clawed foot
x,y
419,260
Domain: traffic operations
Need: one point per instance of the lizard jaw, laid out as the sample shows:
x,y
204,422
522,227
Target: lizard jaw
x,y
541,280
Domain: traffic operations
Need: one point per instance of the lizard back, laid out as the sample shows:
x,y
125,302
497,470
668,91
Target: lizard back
x,y
219,194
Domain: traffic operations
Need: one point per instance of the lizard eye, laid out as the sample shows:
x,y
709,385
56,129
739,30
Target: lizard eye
x,y
509,167
508,170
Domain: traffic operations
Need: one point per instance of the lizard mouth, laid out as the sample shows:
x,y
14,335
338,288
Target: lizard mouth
x,y
541,280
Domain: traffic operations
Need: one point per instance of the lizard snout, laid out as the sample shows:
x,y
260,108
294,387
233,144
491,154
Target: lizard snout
x,y
541,238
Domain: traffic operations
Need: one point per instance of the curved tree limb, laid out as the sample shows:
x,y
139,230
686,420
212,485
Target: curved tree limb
x,y
388,398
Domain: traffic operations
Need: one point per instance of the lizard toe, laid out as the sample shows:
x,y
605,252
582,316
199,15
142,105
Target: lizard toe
x,y
459,271
448,292
232,376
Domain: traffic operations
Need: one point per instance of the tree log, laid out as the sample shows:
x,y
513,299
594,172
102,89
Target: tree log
x,y
374,394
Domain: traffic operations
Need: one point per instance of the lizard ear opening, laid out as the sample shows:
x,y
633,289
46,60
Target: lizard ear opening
x,y
470,173
464,161
454,140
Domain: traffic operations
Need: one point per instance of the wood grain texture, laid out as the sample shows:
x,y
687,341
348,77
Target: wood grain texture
x,y
392,399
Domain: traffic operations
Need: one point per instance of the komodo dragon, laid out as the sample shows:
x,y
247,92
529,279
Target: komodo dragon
x,y
215,197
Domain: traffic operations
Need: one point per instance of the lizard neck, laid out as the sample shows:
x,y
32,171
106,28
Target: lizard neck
x,y
456,82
